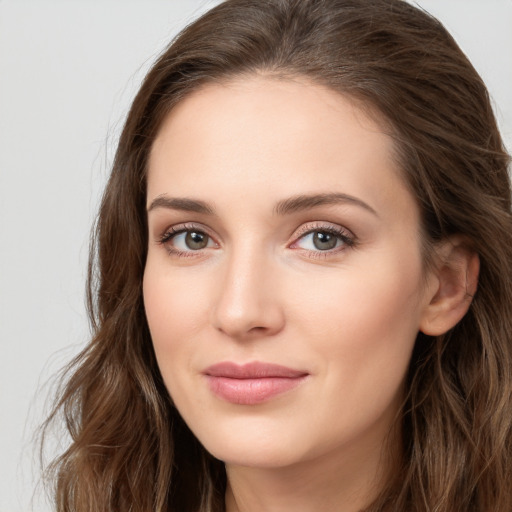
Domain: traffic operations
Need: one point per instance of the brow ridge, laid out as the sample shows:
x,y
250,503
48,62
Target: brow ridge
x,y
305,202
181,203
284,207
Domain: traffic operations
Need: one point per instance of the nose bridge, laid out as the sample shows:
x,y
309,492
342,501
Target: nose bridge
x,y
247,300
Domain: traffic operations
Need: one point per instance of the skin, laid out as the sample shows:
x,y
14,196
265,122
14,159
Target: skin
x,y
260,290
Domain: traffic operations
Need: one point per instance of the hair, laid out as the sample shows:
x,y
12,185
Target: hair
x,y
130,450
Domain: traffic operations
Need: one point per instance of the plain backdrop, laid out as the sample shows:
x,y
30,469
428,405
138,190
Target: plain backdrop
x,y
68,71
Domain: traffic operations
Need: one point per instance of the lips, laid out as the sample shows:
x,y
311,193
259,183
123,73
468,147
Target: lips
x,y
252,383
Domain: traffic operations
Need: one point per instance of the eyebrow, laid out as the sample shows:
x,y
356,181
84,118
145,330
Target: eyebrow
x,y
283,207
181,203
305,202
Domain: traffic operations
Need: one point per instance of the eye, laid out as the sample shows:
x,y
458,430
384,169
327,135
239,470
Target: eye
x,y
323,239
319,240
191,240
182,241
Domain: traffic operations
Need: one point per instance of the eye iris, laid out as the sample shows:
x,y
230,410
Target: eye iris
x,y
195,240
324,241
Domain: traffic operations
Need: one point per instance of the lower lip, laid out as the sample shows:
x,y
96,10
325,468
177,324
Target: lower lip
x,y
251,391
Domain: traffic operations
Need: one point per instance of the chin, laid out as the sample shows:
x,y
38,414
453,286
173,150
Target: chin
x,y
260,443
257,455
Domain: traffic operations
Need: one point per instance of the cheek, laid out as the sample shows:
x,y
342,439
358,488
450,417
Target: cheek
x,y
172,305
379,290
360,330
364,321
172,309
173,302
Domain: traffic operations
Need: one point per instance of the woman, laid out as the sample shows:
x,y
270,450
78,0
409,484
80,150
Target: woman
x,y
302,292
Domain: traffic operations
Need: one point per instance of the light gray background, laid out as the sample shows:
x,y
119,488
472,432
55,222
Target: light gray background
x,y
68,71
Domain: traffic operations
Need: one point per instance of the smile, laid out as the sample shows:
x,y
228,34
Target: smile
x,y
252,383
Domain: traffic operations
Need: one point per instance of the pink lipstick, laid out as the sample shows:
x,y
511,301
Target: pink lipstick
x,y
251,383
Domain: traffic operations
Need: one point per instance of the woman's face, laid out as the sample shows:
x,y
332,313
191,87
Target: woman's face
x,y
284,285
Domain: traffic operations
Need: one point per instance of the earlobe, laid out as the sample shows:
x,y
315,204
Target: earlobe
x,y
456,278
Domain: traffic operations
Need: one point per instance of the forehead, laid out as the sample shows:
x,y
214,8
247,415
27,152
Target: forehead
x,y
283,109
288,137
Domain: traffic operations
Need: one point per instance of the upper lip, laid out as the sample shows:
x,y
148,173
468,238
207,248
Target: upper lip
x,y
254,370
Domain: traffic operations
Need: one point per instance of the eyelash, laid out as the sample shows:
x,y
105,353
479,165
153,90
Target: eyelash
x,y
173,232
347,239
343,235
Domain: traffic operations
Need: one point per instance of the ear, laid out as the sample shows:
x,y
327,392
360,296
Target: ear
x,y
453,284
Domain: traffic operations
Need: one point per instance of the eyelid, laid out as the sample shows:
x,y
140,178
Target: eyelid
x,y
309,227
174,229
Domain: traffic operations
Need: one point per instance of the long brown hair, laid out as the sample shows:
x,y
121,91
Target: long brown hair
x,y
130,450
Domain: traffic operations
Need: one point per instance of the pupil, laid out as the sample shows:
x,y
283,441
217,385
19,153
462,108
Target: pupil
x,y
324,241
195,240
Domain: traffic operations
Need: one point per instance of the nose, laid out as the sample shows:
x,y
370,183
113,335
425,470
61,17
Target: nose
x,y
248,301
